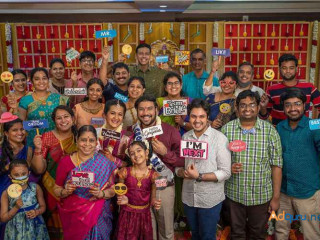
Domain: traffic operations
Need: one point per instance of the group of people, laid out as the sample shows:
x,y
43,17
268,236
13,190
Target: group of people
x,y
277,170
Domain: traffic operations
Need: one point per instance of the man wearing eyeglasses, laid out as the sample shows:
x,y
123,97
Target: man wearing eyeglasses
x,y
301,171
288,66
253,191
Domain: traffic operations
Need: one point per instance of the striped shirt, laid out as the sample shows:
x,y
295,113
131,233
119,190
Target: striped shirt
x,y
276,110
253,186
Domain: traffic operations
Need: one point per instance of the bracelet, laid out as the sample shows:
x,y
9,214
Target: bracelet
x,y
37,153
104,195
61,192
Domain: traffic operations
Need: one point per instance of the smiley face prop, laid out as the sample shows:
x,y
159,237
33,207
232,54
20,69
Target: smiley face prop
x,y
120,189
269,75
126,49
14,190
225,108
6,77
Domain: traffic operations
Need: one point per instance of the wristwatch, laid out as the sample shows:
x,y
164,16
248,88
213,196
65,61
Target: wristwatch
x,y
199,179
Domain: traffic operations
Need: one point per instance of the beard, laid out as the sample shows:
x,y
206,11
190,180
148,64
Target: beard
x,y
288,79
152,121
296,119
243,85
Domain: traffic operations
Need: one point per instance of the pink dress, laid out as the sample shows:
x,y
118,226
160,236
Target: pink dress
x,y
134,221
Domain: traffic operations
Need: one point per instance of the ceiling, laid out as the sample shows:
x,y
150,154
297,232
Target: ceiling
x,y
146,10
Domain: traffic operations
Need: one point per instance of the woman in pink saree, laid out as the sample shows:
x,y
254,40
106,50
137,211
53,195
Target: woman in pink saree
x,y
85,211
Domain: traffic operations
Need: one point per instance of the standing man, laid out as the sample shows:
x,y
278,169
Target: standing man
x,y
301,171
166,149
203,184
193,81
288,66
253,191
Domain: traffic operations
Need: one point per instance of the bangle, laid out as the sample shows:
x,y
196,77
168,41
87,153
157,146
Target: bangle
x,y
37,153
61,192
103,194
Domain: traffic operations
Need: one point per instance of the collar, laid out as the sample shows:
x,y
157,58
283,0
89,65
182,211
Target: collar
x,y
303,123
258,124
206,133
282,82
204,75
138,69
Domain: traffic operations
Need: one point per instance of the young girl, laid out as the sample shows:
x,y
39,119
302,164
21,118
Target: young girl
x,y
23,215
135,217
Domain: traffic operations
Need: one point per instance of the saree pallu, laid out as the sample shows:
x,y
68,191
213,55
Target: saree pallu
x,y
53,150
82,217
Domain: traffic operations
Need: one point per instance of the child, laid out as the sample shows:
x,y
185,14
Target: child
x,y
135,217
23,215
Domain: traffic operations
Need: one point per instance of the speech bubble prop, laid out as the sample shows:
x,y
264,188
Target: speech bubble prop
x,y
182,58
97,121
35,124
82,179
72,54
225,52
314,124
106,33
75,91
121,97
162,59
110,134
152,131
161,182
175,107
194,149
237,146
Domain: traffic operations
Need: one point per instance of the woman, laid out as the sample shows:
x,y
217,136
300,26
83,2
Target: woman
x,y
115,145
13,147
91,107
136,88
222,103
173,91
10,102
52,147
40,103
85,212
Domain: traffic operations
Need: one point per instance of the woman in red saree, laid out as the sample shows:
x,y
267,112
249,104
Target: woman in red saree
x,y
85,211
54,145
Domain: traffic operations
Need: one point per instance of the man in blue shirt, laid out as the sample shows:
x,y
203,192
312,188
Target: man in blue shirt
x,y
193,81
301,171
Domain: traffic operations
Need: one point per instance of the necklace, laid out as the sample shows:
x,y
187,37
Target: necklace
x,y
43,100
139,179
92,111
80,161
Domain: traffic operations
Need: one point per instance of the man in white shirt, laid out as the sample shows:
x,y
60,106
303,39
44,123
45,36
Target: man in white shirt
x,y
203,184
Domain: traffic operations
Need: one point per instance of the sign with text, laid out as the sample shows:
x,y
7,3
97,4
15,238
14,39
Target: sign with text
x,y
121,97
97,121
194,149
82,179
33,124
162,59
71,54
220,52
182,58
106,33
110,134
161,182
237,146
152,131
75,91
175,107
314,124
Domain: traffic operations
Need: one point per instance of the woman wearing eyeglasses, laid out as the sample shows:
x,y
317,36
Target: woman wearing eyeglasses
x,y
222,103
173,91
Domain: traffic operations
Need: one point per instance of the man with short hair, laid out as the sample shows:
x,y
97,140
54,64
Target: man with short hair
x,y
288,67
166,156
203,183
193,81
253,191
301,167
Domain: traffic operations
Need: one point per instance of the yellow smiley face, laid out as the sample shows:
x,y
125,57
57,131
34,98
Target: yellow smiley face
x,y
14,190
6,77
120,189
225,108
126,49
269,75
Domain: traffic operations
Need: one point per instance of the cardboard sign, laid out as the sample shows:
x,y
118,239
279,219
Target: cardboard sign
x,y
97,121
75,91
194,149
82,179
121,97
237,146
175,107
182,58
161,182
152,131
33,124
110,134
162,59
314,124
225,52
106,33
72,54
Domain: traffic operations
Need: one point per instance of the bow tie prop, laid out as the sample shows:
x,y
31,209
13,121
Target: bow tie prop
x,y
249,131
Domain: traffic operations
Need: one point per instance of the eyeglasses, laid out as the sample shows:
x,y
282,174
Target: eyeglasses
x,y
250,105
231,83
295,104
88,61
176,84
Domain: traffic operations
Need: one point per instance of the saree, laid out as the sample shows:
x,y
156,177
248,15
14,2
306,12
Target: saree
x,y
82,217
53,150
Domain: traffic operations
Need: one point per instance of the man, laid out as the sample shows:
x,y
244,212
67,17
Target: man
x,y
288,64
166,157
254,187
193,81
153,76
301,171
203,184
57,82
245,75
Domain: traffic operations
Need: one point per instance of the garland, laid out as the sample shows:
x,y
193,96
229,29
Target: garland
x,y
141,33
215,37
110,44
182,42
314,49
9,47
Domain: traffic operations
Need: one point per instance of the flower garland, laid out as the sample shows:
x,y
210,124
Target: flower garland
x,y
314,49
215,37
182,42
110,44
141,33
9,47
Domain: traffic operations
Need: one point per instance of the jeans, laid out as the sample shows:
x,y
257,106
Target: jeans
x,y
203,221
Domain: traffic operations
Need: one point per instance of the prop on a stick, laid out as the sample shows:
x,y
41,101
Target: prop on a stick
x,y
35,124
120,189
161,183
